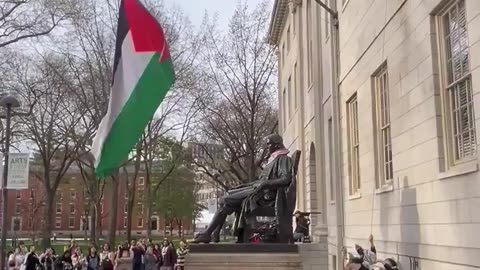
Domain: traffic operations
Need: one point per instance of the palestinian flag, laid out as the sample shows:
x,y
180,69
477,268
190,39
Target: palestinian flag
x,y
142,75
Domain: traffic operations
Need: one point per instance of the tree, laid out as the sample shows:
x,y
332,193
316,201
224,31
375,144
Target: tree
x,y
175,200
32,209
25,19
52,129
237,101
90,64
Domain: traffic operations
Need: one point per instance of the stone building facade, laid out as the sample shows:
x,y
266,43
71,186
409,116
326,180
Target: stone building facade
x,y
385,105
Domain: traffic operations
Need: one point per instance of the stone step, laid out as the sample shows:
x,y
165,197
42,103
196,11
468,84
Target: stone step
x,y
243,261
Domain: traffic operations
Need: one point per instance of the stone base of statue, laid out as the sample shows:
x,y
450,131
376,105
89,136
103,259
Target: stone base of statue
x,y
258,256
243,257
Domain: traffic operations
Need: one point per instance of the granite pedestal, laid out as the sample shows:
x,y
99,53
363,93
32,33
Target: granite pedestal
x,y
243,257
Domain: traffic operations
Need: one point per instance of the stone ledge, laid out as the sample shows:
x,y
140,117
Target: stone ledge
x,y
243,248
313,247
226,258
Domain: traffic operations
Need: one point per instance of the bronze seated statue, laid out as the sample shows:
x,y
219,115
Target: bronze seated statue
x,y
274,194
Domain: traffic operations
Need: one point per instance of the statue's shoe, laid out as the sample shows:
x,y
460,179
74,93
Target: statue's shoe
x,y
202,238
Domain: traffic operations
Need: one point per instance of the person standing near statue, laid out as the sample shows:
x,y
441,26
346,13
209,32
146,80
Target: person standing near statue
x,y
246,198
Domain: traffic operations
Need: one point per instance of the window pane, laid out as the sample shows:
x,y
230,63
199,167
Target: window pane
x,y
463,119
382,107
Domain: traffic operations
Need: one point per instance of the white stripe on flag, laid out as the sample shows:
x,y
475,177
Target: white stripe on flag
x,y
130,68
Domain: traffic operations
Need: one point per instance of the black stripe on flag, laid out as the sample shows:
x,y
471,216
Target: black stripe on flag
x,y
122,31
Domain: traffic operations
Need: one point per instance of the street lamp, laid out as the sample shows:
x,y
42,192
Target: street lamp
x,y
8,102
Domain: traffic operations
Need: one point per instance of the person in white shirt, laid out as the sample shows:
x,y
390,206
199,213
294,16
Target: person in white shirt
x,y
16,259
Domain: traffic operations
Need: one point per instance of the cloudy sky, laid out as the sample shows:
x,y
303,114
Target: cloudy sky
x,y
195,9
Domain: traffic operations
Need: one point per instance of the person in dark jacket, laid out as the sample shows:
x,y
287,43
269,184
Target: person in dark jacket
x,y
138,252
32,261
47,259
301,230
64,262
106,258
167,257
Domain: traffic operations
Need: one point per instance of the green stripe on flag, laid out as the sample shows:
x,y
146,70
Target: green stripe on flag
x,y
142,104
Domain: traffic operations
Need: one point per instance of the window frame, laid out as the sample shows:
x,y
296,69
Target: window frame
x,y
73,194
58,222
58,208
449,142
309,29
140,222
70,225
14,221
353,140
18,207
382,129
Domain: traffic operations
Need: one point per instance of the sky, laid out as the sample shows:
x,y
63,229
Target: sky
x,y
195,9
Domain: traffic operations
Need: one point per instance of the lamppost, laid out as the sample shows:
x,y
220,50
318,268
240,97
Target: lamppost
x,y
8,102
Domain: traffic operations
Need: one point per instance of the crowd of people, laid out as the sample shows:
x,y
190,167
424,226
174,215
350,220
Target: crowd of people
x,y
136,255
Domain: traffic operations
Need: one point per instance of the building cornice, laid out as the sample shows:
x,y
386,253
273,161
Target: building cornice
x,y
279,16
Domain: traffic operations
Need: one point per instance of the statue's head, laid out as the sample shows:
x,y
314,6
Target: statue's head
x,y
274,142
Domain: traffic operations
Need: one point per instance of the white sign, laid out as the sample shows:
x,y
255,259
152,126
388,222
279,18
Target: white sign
x,y
18,170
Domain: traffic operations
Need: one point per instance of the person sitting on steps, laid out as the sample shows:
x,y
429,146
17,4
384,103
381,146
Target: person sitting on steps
x,y
246,198
301,230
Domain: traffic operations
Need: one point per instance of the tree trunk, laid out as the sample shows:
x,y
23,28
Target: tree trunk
x,y
112,230
148,209
93,224
48,214
98,216
131,200
179,224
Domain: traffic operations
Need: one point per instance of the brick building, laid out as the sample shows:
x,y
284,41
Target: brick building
x,y
71,209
